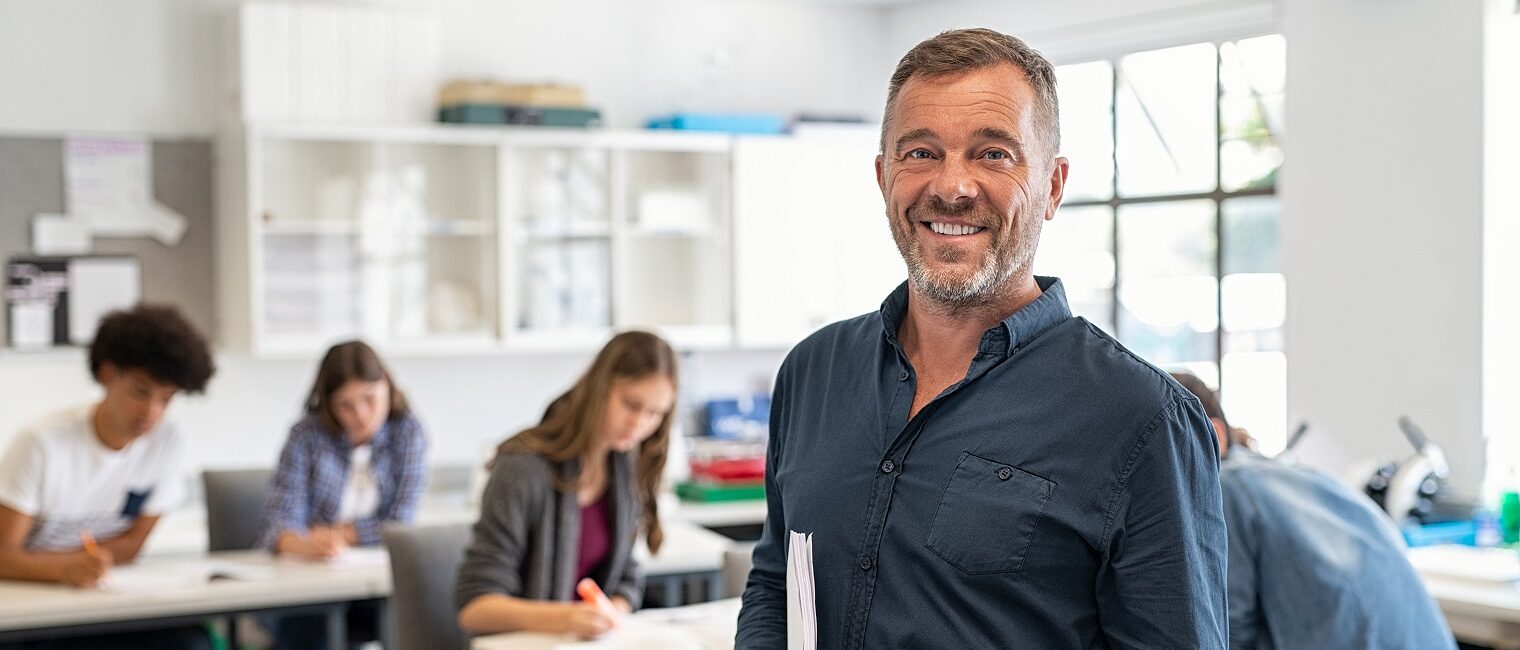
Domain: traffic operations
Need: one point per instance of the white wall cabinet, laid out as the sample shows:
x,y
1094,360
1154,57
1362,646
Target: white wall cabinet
x,y
812,241
437,239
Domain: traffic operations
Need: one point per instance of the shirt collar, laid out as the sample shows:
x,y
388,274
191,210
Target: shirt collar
x,y
1020,327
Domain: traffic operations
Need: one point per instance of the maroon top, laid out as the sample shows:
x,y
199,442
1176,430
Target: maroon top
x,y
596,537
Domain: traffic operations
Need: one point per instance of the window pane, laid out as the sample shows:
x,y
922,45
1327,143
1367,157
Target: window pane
x,y
1168,295
1086,94
1255,396
1251,76
1254,294
1167,131
1077,246
1254,291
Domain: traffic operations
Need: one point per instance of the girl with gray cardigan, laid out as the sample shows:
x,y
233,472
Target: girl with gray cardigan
x,y
567,499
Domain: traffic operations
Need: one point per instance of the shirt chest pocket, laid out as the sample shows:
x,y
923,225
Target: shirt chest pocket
x,y
988,516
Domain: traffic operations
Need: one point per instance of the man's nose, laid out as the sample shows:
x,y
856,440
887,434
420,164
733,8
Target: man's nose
x,y
954,185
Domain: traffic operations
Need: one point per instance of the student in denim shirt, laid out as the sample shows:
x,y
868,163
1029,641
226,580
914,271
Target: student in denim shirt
x,y
355,462
1313,564
977,467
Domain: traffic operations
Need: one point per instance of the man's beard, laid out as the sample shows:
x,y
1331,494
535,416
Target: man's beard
x,y
945,287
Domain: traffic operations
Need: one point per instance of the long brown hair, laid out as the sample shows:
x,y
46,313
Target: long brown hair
x,y
343,363
574,420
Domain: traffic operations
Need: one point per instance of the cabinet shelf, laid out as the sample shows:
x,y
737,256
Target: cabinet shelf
x,y
440,240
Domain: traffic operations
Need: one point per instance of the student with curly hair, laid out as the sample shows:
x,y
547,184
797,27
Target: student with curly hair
x,y
81,489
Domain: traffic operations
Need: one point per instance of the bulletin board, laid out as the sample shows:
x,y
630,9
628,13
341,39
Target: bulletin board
x,y
32,182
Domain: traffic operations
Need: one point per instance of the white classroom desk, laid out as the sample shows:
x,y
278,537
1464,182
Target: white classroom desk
x,y
705,626
1479,611
31,610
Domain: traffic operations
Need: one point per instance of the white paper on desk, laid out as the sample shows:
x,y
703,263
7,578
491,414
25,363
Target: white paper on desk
x,y
350,558
150,579
801,610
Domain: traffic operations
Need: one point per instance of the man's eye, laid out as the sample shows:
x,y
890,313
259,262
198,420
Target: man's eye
x,y
996,154
920,154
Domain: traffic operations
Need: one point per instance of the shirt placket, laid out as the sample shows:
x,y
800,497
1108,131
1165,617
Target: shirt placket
x,y
889,468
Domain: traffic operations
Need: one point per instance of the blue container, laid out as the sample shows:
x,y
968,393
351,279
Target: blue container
x,y
739,419
1450,532
756,123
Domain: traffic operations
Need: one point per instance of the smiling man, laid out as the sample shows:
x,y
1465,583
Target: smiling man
x,y
978,468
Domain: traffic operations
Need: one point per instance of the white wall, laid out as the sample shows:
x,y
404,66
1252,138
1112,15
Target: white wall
x,y
1067,32
1382,228
156,66
639,59
1501,238
147,66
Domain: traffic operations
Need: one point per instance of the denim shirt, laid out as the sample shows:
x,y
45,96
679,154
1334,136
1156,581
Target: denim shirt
x,y
1315,565
1064,494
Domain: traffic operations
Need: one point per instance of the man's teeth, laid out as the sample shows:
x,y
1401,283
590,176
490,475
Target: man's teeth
x,y
953,229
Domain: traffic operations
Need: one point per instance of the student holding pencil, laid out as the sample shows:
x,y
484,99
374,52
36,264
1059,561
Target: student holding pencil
x,y
567,499
81,489
356,460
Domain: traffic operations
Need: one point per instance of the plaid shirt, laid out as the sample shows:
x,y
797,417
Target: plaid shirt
x,y
308,484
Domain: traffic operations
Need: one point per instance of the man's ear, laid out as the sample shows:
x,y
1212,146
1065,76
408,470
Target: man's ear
x,y
881,174
1058,173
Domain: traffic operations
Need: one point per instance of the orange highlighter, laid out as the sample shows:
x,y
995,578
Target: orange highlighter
x,y
593,594
89,542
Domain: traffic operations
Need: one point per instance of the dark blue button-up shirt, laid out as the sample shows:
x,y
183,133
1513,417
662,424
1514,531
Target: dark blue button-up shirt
x,y
1064,494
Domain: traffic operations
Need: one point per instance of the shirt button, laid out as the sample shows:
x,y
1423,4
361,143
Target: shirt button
x,y
1004,473
865,563
887,466
902,376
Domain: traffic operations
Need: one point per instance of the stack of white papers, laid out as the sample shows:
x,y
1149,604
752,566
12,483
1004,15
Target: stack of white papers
x,y
801,610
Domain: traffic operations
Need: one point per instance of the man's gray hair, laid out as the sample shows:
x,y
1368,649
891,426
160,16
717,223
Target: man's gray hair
x,y
960,50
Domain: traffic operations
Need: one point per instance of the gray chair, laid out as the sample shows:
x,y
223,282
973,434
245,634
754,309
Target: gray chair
x,y
424,561
235,507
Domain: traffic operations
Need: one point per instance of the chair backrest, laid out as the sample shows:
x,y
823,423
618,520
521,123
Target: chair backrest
x,y
424,561
235,507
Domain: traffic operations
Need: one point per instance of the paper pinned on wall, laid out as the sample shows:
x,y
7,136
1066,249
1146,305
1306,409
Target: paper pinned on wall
x,y
59,234
109,186
98,285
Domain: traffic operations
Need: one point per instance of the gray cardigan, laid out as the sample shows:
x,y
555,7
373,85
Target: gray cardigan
x,y
527,540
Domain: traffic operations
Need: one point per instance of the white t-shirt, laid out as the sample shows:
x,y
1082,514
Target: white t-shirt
x,y
59,473
361,494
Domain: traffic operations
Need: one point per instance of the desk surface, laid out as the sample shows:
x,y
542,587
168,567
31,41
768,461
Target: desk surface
x,y
1479,611
28,605
708,626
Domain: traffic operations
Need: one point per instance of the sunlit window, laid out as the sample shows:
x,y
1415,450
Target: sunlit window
x,y
1168,235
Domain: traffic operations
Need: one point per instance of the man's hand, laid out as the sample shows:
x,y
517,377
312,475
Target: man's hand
x,y
85,568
